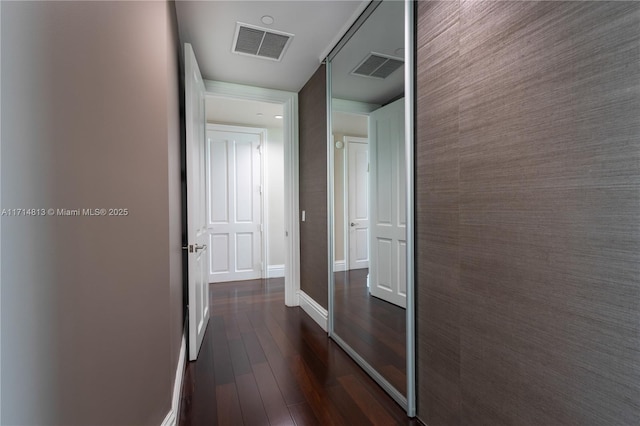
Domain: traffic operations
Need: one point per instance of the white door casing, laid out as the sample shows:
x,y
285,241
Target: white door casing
x,y
357,150
234,202
198,285
387,272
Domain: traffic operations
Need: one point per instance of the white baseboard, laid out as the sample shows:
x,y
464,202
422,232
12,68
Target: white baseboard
x,y
172,417
275,271
313,309
339,266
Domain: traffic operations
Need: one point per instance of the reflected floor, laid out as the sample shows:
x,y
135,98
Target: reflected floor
x,y
372,327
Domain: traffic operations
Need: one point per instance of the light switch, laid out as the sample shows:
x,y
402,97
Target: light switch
x,y
304,216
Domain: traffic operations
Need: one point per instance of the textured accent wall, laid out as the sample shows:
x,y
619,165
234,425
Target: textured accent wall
x,y
528,212
313,187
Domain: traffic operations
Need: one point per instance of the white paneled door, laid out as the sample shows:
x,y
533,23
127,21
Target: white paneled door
x,y
387,273
198,257
234,202
358,201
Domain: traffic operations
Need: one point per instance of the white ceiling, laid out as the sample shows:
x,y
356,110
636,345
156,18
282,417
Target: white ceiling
x,y
210,25
243,113
382,32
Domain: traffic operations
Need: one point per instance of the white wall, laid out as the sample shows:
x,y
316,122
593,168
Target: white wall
x,y
91,306
274,213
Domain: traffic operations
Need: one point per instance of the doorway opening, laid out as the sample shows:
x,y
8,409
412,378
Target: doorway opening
x,y
245,189
254,133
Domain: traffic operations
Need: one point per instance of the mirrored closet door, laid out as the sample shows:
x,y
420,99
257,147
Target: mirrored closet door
x,y
370,162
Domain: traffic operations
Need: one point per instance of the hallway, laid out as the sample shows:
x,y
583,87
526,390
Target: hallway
x,y
522,182
262,363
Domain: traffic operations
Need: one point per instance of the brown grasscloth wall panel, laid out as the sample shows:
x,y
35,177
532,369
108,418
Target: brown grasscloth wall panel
x,y
528,212
312,101
437,216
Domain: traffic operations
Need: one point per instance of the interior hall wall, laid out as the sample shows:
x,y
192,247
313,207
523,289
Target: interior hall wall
x,y
91,305
527,210
312,107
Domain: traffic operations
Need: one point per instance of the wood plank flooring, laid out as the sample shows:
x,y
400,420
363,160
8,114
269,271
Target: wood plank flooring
x,y
373,327
262,363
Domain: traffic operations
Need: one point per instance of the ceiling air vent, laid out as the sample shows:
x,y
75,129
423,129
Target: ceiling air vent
x,y
377,65
260,42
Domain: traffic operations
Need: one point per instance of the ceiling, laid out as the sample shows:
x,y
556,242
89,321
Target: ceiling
x,y
243,112
317,25
382,32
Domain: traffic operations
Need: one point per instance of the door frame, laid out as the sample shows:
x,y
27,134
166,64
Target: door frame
x,y
289,102
347,229
264,226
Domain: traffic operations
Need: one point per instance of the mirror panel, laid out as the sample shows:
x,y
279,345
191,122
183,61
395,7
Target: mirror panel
x,y
368,187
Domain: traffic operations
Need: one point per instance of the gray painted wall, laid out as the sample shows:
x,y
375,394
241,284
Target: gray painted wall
x,y
528,204
91,306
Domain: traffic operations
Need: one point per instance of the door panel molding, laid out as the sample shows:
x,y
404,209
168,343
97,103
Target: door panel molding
x,y
237,151
388,203
361,220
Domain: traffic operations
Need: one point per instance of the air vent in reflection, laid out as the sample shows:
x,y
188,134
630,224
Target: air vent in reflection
x,y
377,65
260,42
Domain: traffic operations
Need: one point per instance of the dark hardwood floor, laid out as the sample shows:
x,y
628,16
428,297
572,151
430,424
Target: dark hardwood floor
x,y
262,363
372,327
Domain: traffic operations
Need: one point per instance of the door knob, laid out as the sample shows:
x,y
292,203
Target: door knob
x,y
194,247
353,224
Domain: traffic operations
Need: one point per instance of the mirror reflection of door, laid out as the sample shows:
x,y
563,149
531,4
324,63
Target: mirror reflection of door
x,y
388,277
369,195
357,163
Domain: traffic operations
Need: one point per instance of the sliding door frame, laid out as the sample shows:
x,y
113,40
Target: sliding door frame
x,y
408,402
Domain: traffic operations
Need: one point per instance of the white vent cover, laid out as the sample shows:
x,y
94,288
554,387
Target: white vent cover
x,y
260,42
377,65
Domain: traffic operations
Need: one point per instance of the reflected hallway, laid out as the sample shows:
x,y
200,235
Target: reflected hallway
x,y
374,328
